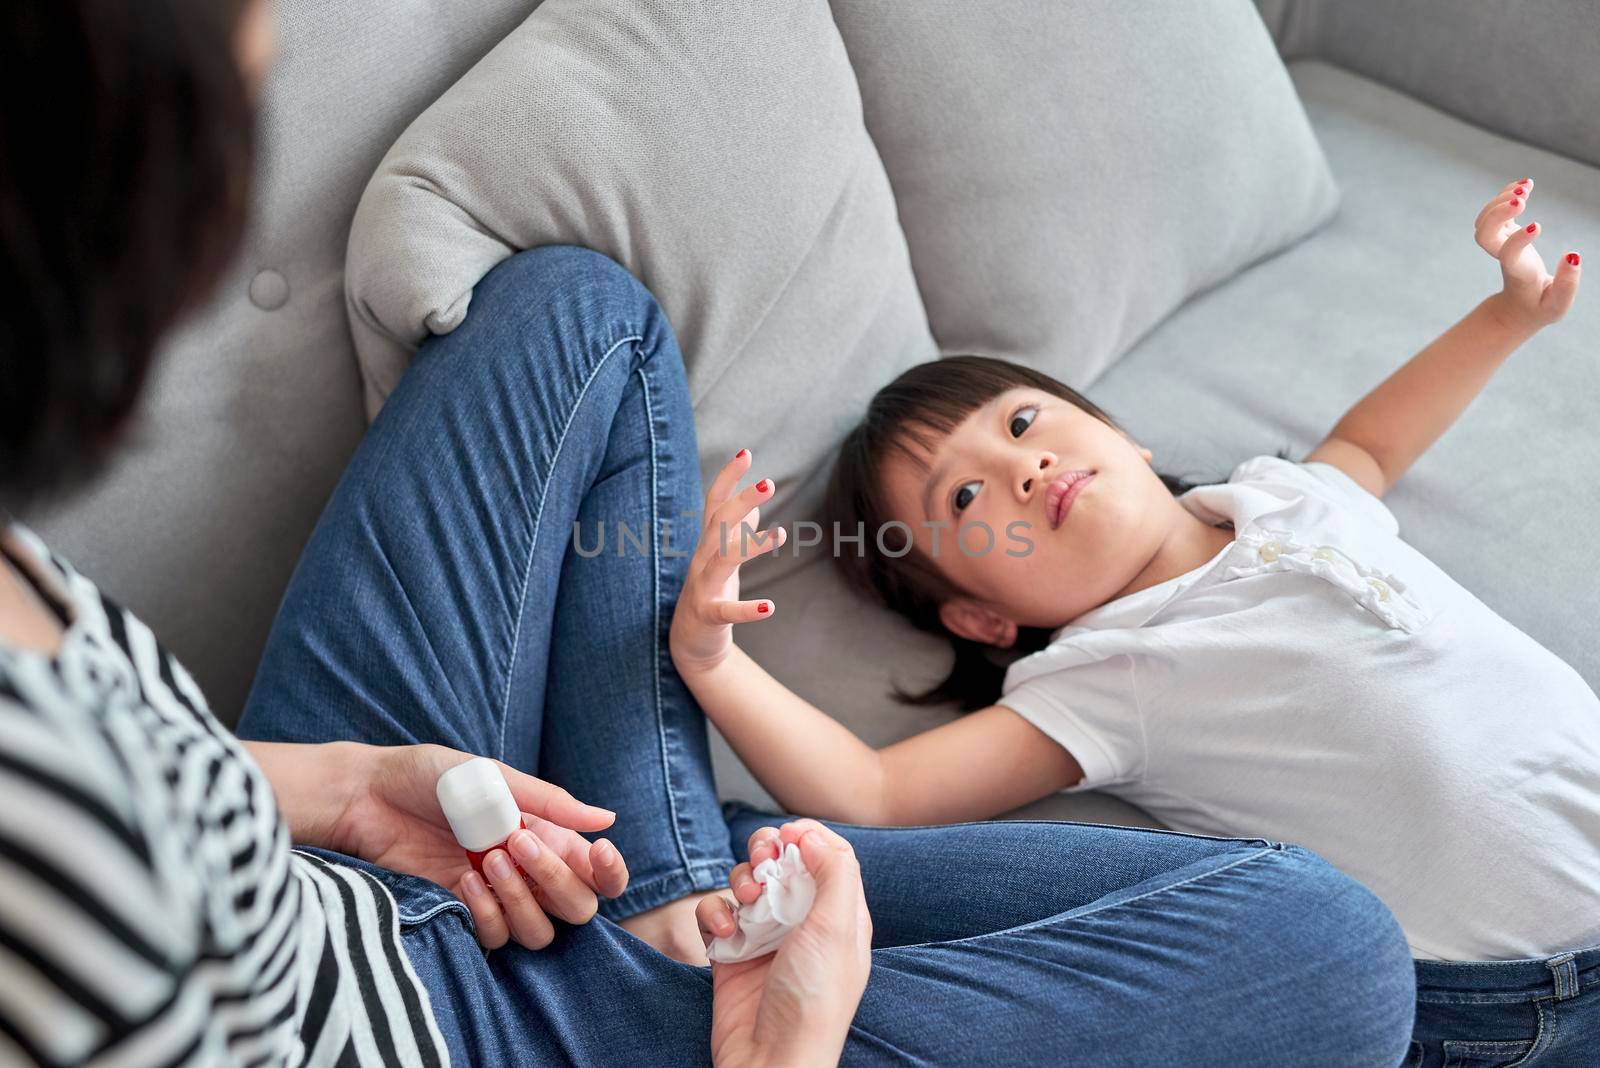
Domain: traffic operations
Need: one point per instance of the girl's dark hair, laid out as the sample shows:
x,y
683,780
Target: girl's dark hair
x,y
936,396
126,149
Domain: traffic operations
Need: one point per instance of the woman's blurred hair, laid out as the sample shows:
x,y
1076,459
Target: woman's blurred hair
x,y
126,150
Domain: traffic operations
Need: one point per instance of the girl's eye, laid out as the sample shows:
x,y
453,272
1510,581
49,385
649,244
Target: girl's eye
x,y
1016,430
964,494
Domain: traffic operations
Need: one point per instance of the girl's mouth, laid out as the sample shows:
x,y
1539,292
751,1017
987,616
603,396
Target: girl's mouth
x,y
1060,494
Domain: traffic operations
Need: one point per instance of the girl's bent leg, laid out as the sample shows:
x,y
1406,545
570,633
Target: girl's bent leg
x,y
422,609
1041,942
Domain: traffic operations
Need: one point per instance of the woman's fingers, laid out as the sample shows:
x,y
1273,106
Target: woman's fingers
x,y
743,884
610,870
794,830
527,921
551,802
561,893
714,914
598,864
763,844
840,907
487,916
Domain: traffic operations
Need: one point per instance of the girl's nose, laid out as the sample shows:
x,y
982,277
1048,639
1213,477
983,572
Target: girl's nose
x,y
1040,462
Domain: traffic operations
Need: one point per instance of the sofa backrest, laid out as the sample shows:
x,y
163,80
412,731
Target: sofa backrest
x,y
1525,70
255,406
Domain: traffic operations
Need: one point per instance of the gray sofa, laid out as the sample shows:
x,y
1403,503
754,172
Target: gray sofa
x,y
1422,112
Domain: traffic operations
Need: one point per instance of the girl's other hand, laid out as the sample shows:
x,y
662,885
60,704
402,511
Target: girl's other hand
x,y
793,1005
709,604
1532,297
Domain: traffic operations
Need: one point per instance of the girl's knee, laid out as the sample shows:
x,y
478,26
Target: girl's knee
x,y
553,268
574,297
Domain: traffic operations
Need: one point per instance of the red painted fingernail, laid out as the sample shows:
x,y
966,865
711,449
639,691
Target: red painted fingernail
x,y
763,486
1572,258
1515,202
1532,227
1521,192
762,608
740,453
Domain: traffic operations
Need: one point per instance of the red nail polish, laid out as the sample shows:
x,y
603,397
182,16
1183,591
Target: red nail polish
x,y
1521,192
1515,202
479,807
762,608
740,453
1572,258
1532,227
763,486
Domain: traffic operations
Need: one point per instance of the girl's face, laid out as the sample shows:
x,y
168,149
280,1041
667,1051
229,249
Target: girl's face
x,y
996,471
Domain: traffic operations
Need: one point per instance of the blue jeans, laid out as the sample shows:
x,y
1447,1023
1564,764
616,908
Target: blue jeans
x,y
1542,1013
438,601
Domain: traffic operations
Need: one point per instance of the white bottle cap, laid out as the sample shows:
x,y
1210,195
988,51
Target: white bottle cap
x,y
478,804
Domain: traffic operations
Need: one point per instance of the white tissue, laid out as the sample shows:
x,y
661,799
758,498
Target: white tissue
x,y
783,903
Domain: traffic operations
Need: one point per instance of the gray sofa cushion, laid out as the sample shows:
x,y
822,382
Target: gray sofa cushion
x,y
1504,502
718,152
1067,174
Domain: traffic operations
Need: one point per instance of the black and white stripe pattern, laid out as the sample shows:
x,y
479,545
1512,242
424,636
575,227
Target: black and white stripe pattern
x,y
151,908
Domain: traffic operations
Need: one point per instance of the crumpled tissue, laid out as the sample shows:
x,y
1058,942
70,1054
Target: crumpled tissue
x,y
784,902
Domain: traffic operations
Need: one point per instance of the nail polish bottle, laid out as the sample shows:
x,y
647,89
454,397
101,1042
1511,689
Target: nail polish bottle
x,y
479,806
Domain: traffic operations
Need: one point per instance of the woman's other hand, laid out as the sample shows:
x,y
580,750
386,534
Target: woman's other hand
x,y
792,1006
708,604
1532,297
394,820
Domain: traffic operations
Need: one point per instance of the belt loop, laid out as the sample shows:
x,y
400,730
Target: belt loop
x,y
1565,973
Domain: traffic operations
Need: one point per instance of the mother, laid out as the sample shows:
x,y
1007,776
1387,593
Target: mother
x,y
151,907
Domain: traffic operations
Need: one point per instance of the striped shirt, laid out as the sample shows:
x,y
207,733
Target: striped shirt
x,y
151,908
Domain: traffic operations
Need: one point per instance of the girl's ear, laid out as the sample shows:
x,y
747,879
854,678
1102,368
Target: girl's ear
x,y
969,619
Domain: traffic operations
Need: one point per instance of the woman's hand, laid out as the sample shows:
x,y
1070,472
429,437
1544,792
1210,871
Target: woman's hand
x,y
1532,298
792,1006
394,820
709,605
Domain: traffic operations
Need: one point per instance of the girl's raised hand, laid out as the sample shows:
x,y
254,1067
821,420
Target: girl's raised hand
x,y
1532,297
709,604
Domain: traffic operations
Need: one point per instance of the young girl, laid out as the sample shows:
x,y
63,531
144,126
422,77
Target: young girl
x,y
1264,656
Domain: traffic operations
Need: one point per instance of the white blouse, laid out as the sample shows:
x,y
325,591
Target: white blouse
x,y
1321,682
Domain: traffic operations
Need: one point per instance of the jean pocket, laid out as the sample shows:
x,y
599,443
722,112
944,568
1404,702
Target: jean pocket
x,y
1485,1054
416,899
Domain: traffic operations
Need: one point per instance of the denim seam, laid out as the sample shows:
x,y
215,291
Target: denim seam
x,y
533,545
648,891
1058,917
409,920
655,631
1024,823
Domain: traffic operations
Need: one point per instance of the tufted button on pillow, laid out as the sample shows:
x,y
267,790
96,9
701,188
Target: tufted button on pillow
x,y
269,290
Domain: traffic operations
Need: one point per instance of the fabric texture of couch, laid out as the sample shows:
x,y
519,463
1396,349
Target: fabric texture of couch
x,y
258,401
